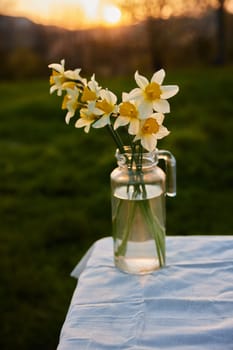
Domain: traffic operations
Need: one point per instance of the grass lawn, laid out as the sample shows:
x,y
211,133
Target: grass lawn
x,y
55,196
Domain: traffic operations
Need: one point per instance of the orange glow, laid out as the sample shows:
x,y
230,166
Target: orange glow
x,y
74,14
229,6
67,13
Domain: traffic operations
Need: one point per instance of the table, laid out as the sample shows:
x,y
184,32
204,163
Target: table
x,y
187,305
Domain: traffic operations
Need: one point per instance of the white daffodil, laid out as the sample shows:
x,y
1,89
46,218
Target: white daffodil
x,y
91,91
70,102
151,130
128,114
58,67
60,77
153,96
57,77
73,74
107,104
88,116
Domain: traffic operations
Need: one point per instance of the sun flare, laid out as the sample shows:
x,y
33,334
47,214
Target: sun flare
x,y
111,14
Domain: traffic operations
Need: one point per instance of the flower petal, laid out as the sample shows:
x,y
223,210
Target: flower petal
x,y
161,106
169,91
53,88
141,80
69,115
87,128
93,85
145,109
121,121
125,96
111,97
103,121
134,95
81,122
108,95
163,131
149,142
134,127
59,92
73,75
103,94
158,76
58,67
159,117
97,111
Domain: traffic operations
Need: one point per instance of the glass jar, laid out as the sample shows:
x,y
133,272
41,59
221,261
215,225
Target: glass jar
x,y
138,209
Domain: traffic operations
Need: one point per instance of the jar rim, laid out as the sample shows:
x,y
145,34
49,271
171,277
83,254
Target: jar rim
x,y
149,158
128,150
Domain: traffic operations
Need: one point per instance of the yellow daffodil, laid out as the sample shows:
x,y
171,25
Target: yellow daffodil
x,y
153,96
91,90
88,116
151,130
106,104
70,102
59,77
128,114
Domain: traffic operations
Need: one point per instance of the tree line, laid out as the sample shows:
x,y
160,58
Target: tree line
x,y
27,48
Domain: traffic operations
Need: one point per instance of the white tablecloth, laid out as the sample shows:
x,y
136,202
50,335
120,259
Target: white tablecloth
x,y
187,305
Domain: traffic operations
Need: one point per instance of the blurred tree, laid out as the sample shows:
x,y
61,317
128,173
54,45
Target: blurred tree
x,y
153,10
141,9
221,33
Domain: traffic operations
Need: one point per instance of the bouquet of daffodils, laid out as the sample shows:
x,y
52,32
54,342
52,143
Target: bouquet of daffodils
x,y
141,113
143,109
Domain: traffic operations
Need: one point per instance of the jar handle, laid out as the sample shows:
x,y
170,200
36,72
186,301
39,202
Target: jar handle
x,y
170,164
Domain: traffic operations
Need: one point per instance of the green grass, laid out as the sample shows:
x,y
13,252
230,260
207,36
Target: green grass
x,y
55,197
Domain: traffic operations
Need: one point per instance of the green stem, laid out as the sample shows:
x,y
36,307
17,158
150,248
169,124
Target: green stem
x,y
156,229
122,247
153,224
116,138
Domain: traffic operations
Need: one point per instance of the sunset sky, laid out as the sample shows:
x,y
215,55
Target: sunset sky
x,y
67,13
70,13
